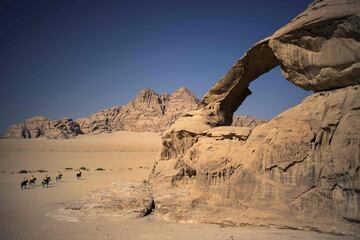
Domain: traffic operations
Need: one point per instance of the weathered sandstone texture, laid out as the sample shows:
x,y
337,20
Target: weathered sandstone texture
x,y
247,121
36,127
119,200
301,169
148,111
320,48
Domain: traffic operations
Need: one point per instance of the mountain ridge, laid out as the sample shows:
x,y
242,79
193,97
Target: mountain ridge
x,y
147,111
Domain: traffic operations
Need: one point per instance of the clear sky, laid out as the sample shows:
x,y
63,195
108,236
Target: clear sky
x,y
74,57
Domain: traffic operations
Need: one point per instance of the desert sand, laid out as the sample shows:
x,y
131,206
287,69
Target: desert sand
x,y
126,157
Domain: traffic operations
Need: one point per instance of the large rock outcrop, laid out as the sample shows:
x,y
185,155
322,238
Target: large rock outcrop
x,y
119,200
36,127
247,121
320,48
148,111
301,169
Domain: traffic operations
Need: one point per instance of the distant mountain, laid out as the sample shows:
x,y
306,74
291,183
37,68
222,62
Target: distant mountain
x,y
40,126
247,121
148,111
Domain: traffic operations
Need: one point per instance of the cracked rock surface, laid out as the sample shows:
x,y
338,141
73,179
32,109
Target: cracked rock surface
x,y
36,127
119,200
301,169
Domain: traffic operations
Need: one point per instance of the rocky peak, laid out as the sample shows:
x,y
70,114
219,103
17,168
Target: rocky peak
x,y
146,95
184,94
247,121
147,111
147,100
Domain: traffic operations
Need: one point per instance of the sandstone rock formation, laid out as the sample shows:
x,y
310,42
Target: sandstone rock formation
x,y
119,200
319,49
247,121
301,169
148,111
36,127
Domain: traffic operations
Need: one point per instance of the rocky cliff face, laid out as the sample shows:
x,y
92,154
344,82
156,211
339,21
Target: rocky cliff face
x,y
42,127
148,111
319,49
301,169
247,121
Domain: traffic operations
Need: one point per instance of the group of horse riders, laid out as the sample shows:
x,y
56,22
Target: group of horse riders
x,y
45,181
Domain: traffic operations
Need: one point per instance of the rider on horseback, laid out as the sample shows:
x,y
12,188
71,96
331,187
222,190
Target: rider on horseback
x,y
46,178
32,180
58,177
46,181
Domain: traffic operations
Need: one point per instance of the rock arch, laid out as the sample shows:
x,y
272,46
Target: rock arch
x,y
318,50
299,170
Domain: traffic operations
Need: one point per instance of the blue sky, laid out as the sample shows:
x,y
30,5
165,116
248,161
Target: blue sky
x,y
74,57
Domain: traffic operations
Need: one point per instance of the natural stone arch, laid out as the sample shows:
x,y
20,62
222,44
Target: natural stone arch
x,y
318,50
232,89
301,169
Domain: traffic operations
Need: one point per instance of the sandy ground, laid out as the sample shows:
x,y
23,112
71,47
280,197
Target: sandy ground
x,y
127,157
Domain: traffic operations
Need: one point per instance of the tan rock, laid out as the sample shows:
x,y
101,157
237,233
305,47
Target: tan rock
x,y
119,200
247,121
320,48
36,127
300,170
148,111
228,132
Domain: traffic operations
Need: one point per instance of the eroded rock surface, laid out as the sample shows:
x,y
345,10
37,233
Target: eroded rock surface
x,y
300,170
320,48
247,121
148,111
119,200
36,127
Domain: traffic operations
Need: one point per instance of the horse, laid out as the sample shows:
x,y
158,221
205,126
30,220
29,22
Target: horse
x,y
78,175
24,183
32,181
46,181
58,177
